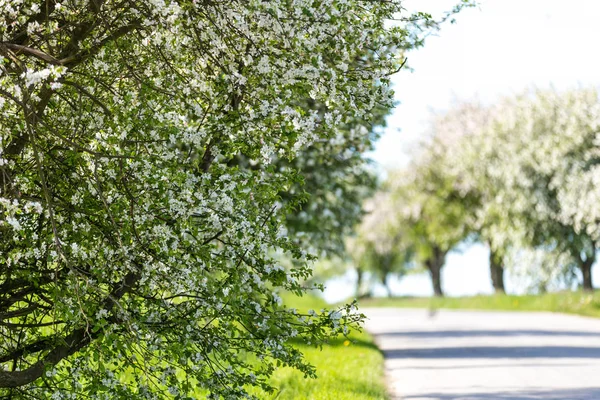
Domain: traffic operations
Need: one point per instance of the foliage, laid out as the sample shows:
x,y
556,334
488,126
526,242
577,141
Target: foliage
x,y
379,245
336,177
141,209
517,175
336,182
431,209
347,368
527,160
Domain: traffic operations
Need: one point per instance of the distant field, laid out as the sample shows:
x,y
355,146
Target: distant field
x,y
567,302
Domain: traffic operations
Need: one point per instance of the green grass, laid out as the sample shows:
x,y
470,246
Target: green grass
x,y
566,302
346,370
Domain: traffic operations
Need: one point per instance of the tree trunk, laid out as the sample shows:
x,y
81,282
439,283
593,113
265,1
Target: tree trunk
x,y
384,281
586,271
497,271
359,281
434,264
436,281
585,256
386,267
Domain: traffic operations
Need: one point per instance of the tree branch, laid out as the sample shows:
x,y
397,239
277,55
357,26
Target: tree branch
x,y
32,52
75,341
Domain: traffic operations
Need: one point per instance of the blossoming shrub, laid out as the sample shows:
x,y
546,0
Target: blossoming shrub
x,y
139,256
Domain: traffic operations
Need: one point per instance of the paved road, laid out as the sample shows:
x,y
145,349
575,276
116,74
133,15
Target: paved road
x,y
471,355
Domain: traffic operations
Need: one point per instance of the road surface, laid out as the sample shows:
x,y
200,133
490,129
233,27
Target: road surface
x,y
476,355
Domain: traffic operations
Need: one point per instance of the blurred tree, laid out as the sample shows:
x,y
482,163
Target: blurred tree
x,y
527,162
539,144
336,180
380,246
462,162
541,270
432,214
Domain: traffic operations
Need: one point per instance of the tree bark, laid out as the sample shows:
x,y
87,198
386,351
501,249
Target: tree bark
x,y
386,262
436,281
586,271
497,271
384,281
359,280
434,264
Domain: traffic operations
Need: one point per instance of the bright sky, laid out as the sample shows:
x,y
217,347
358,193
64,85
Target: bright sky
x,y
498,48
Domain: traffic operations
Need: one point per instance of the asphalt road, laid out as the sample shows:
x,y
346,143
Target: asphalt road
x,y
472,355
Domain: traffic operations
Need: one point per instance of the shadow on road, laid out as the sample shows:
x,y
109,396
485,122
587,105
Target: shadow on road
x,y
567,394
502,357
490,333
480,366
476,352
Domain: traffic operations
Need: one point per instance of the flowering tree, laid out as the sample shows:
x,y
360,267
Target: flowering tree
x,y
526,162
336,180
463,155
380,245
138,251
544,142
421,213
429,217
541,270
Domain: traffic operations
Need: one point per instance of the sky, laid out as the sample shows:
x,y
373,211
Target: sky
x,y
499,48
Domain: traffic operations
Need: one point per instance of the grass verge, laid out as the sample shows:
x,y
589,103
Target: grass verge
x,y
346,370
580,303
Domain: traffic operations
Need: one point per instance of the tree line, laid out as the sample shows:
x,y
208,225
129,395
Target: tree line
x,y
520,175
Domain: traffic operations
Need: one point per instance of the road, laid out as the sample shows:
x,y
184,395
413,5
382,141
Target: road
x,y
472,355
